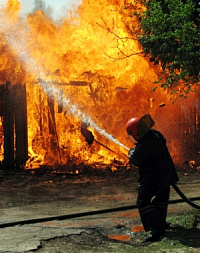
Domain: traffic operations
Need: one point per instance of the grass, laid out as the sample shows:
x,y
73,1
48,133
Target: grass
x,y
183,236
186,219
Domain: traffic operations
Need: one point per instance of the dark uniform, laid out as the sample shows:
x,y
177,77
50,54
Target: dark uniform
x,y
157,172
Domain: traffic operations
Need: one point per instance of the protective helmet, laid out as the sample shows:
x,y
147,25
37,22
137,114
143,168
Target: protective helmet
x,y
132,128
138,127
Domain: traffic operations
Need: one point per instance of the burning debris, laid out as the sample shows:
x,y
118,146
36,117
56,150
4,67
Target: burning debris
x,y
89,137
162,105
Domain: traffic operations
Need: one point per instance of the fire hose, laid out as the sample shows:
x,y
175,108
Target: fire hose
x,y
176,188
98,212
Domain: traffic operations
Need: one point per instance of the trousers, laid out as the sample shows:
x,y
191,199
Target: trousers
x,y
152,206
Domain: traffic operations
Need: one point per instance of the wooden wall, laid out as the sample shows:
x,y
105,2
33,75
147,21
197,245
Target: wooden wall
x,y
14,114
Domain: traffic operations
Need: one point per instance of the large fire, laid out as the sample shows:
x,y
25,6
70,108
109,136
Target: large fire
x,y
87,68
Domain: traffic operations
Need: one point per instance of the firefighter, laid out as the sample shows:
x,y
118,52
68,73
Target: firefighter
x,y
156,173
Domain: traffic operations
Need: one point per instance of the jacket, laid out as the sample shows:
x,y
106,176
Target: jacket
x,y
153,160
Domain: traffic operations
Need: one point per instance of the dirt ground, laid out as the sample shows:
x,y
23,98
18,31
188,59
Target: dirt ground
x,y
59,191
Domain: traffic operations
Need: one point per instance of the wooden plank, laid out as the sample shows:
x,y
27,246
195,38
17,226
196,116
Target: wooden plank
x,y
78,83
20,116
8,126
52,126
51,115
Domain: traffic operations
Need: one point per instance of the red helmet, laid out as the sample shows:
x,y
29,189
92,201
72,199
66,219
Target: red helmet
x,y
138,127
132,128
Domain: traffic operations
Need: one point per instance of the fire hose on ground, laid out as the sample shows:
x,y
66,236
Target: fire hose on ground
x,y
184,198
98,212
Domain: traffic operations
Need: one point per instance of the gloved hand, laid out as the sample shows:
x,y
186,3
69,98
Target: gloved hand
x,y
133,160
131,152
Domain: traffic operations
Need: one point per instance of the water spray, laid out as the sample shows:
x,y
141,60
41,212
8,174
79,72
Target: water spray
x,y
73,110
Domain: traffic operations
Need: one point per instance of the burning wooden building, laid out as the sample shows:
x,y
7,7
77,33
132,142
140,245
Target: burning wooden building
x,y
56,75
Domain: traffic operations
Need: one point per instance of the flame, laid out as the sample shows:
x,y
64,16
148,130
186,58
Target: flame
x,y
13,8
81,69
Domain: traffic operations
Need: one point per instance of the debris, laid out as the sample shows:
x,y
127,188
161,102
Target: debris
x,y
120,89
87,133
